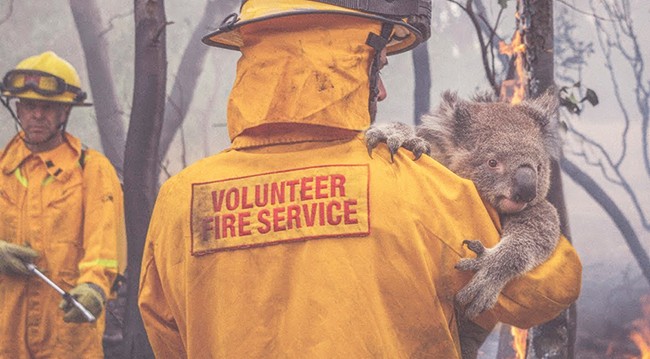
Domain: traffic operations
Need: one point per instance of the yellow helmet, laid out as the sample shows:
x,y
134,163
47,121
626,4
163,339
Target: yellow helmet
x,y
410,19
45,77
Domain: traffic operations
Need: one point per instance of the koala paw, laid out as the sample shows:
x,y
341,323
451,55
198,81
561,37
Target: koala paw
x,y
396,135
468,264
472,264
477,297
475,246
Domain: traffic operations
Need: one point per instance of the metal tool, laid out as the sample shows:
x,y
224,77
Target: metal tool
x,y
67,296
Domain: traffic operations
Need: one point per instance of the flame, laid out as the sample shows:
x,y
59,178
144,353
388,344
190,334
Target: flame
x,y
514,90
640,334
519,337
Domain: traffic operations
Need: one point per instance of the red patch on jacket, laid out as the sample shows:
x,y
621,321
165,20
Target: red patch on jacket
x,y
276,207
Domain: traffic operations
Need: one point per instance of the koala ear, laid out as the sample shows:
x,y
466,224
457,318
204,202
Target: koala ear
x,y
454,114
444,129
484,96
543,110
457,117
463,119
545,105
448,104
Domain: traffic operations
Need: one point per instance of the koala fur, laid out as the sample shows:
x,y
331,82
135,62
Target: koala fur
x,y
506,151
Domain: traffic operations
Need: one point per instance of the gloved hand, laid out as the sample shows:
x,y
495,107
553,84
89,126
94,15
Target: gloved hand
x,y
90,296
13,258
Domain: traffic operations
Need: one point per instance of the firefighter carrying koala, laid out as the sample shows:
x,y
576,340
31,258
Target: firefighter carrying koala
x,y
276,275
61,209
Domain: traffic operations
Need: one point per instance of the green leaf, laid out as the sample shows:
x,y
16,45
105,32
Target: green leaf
x,y
570,104
591,96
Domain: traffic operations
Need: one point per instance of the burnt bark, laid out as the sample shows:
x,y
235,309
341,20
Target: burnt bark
x,y
422,90
141,162
556,338
107,107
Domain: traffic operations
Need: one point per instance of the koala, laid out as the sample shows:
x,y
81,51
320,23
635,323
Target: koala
x,y
506,150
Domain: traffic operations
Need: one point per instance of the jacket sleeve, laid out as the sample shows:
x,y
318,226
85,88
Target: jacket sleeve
x,y
155,308
103,222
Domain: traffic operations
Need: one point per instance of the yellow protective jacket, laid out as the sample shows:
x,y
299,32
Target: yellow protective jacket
x,y
316,250
295,243
73,217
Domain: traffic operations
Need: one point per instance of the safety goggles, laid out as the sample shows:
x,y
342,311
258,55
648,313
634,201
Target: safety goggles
x,y
43,83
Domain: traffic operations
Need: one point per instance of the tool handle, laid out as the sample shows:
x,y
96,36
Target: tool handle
x,y
68,298
86,313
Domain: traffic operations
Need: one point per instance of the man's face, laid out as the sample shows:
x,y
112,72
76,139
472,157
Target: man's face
x,y
42,121
381,90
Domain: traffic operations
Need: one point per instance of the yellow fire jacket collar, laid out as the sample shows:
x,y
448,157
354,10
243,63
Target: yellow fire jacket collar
x,y
57,161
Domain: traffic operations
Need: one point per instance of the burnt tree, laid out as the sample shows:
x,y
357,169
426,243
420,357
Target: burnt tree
x,y
556,338
422,78
141,156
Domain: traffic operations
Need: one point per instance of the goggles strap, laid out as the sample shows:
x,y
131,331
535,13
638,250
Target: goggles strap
x,y
5,103
62,86
378,43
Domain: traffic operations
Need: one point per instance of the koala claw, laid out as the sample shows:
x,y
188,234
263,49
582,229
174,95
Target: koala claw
x,y
476,299
468,264
418,146
475,246
374,136
396,135
394,143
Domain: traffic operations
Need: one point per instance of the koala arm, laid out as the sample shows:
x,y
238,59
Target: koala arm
x,y
527,240
541,294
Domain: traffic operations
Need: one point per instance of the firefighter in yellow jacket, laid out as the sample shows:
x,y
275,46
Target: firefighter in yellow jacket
x,y
294,242
60,209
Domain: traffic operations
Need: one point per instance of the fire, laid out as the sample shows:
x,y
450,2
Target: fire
x,y
640,334
519,337
514,90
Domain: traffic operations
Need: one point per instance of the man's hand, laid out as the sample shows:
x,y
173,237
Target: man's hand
x,y
13,258
90,296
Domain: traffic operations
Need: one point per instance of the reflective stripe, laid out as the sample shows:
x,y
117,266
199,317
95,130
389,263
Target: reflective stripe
x,y
21,178
107,263
47,180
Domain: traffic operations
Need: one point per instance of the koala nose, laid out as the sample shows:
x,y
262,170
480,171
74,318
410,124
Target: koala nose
x,y
525,184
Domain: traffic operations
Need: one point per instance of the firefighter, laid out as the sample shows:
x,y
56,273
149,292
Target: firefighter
x,y
294,242
60,209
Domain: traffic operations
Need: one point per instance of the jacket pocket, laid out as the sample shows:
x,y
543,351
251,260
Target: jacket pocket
x,y
64,213
9,212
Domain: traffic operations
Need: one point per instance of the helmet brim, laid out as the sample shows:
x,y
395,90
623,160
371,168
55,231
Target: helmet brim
x,y
229,37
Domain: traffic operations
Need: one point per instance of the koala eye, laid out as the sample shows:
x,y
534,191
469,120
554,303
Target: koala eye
x,y
492,163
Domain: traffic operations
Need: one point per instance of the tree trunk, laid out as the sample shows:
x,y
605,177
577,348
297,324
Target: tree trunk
x,y
141,159
422,90
107,108
556,338
188,73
